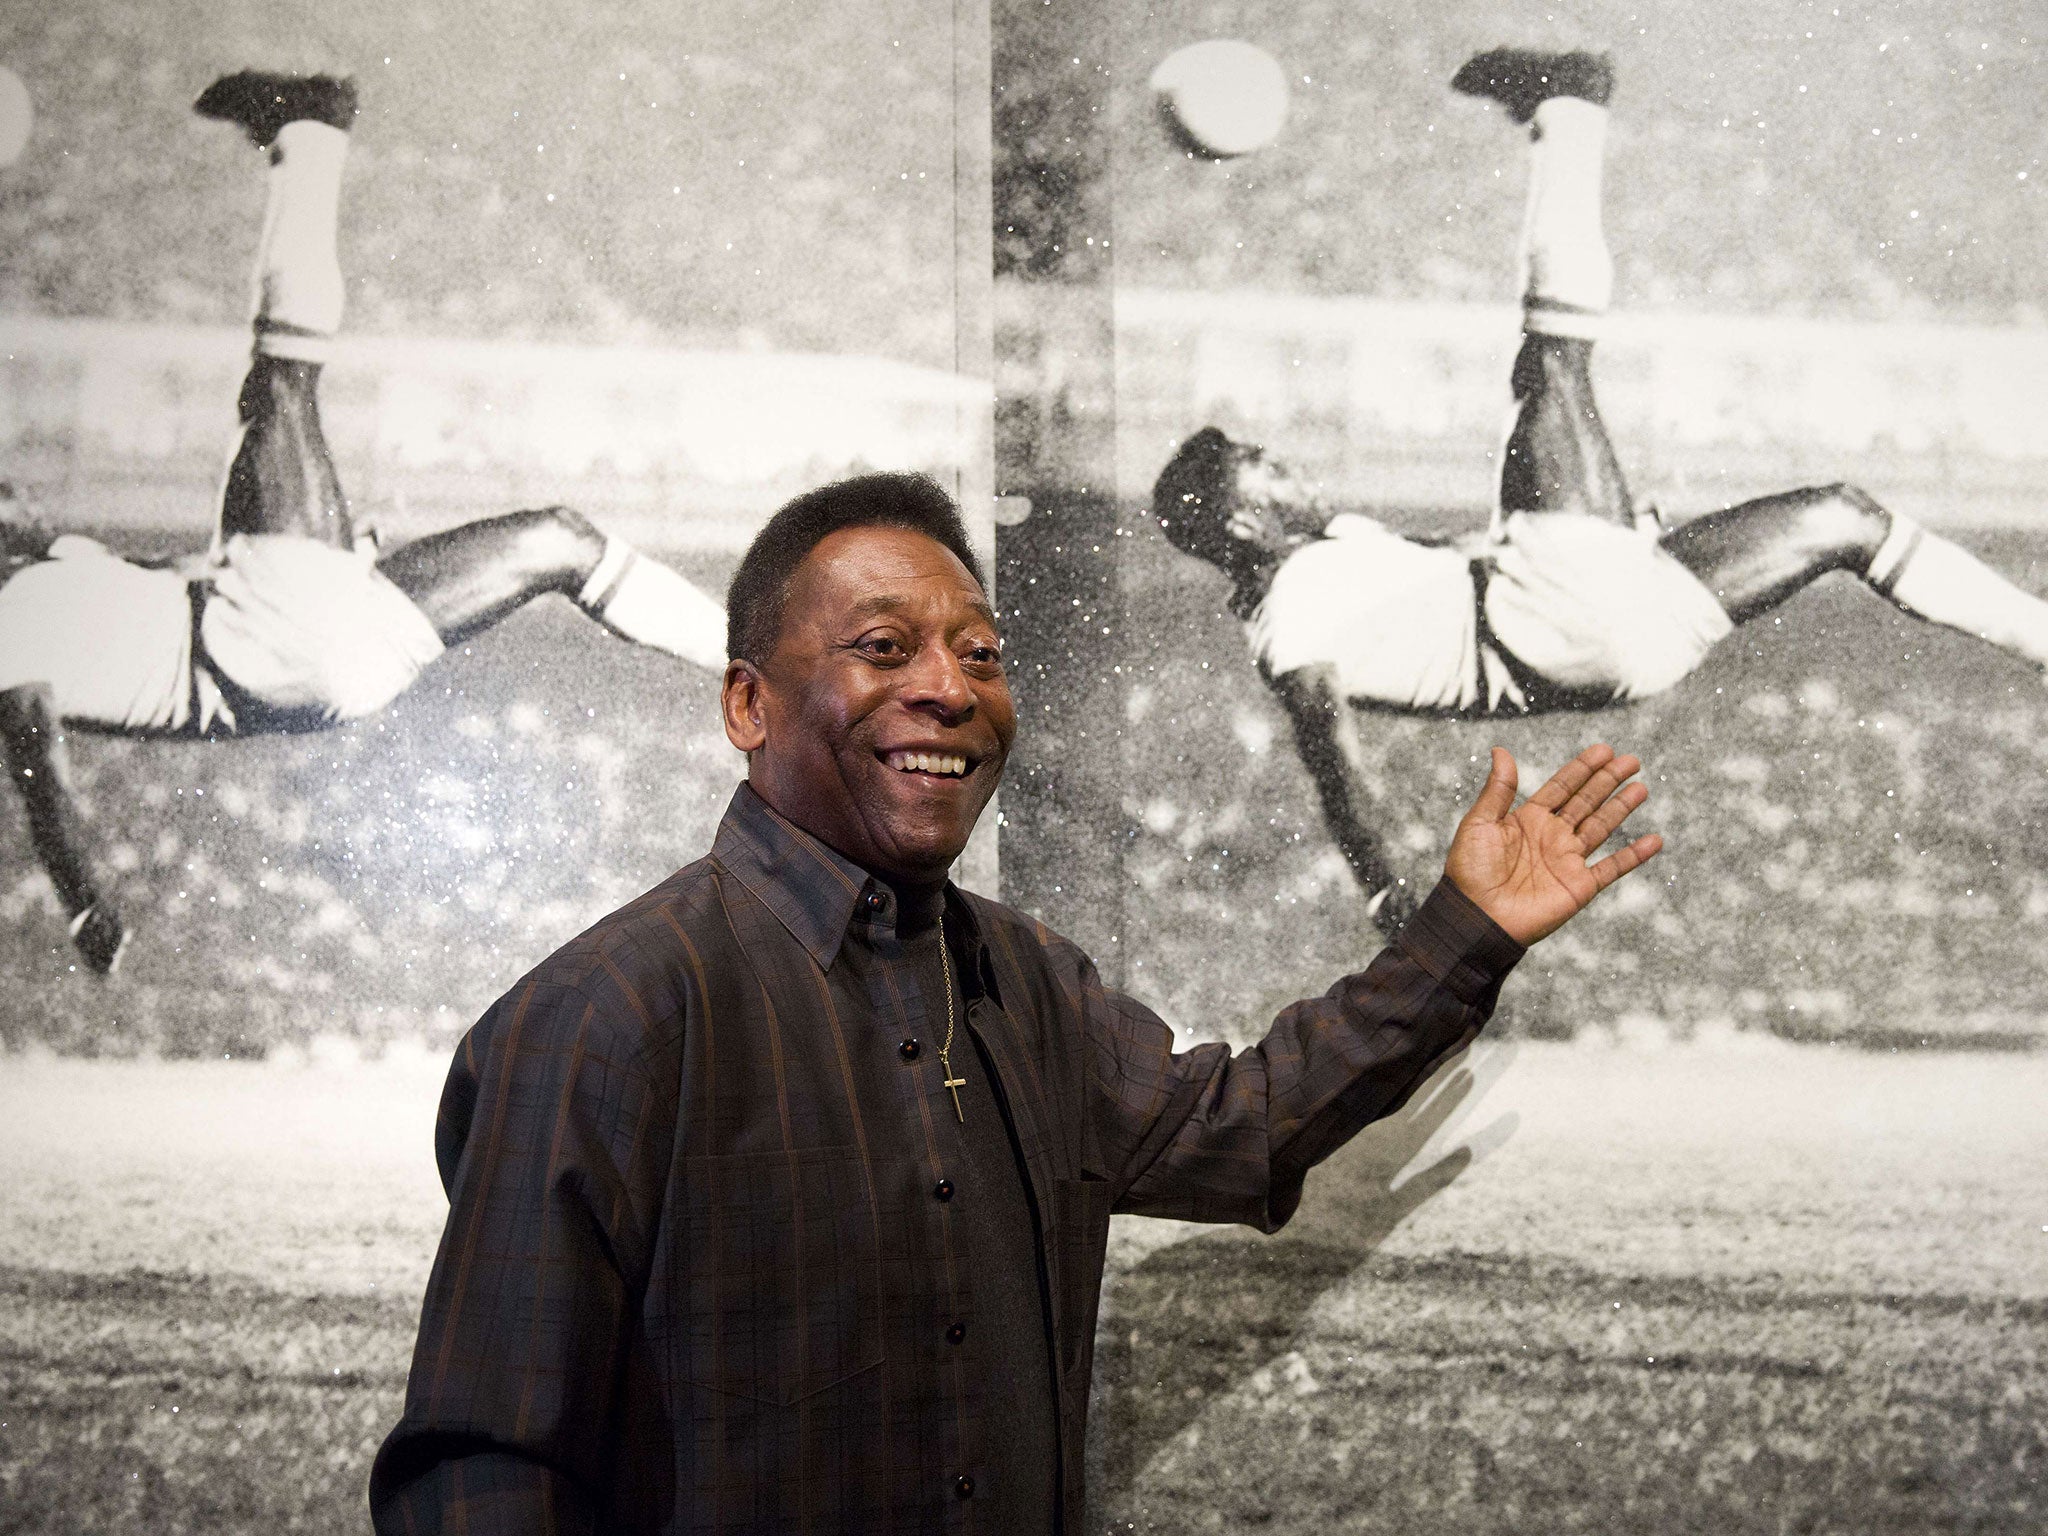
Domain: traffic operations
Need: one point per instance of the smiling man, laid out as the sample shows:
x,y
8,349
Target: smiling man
x,y
779,1198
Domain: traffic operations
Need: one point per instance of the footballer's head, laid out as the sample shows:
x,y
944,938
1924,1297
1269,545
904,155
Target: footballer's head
x,y
1227,503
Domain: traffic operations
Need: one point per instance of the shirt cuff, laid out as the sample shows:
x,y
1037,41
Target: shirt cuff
x,y
1458,944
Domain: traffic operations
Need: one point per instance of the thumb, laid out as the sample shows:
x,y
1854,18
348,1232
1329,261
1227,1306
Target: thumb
x,y
1497,798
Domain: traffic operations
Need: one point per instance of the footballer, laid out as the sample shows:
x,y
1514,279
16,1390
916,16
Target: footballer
x,y
289,621
1573,598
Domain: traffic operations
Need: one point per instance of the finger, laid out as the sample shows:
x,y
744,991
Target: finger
x,y
1497,796
1594,792
1568,780
1599,826
1634,856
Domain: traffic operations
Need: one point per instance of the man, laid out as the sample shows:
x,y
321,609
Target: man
x,y
289,621
1574,598
779,1198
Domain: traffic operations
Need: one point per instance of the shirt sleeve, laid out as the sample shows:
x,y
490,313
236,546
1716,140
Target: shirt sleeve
x,y
1211,1135
553,1146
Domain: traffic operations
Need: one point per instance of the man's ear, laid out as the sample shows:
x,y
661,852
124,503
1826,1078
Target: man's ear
x,y
744,705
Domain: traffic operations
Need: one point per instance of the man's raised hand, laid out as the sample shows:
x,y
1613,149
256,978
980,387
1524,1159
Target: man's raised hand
x,y
1525,865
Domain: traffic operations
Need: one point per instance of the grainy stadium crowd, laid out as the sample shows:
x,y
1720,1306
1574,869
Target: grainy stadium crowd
x,y
730,157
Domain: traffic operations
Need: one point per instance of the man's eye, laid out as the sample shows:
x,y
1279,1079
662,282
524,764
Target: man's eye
x,y
881,647
984,656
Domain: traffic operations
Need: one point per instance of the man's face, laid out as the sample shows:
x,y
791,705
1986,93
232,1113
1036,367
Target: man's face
x,y
1273,510
881,721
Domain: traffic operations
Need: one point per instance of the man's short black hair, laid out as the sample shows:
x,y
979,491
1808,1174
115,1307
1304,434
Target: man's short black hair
x,y
1194,495
760,587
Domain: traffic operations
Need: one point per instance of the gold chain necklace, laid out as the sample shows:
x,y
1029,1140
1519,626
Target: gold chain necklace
x,y
953,1084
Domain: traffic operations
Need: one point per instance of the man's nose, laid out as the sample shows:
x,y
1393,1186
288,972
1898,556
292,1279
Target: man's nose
x,y
938,682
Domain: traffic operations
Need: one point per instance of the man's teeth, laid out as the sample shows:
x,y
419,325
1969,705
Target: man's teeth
x,y
928,762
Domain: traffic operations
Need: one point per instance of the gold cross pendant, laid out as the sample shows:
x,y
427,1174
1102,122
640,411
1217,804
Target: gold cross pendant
x,y
953,1084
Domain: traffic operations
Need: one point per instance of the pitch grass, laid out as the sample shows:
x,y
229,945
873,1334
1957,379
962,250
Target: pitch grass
x,y
1478,1395
1732,1288
1453,1394
178,1403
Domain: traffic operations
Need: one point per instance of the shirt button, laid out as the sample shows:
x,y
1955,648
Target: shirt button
x,y
908,1050
943,1190
963,1487
956,1333
874,901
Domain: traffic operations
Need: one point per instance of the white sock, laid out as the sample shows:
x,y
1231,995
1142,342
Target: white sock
x,y
1933,579
649,604
1567,274
298,273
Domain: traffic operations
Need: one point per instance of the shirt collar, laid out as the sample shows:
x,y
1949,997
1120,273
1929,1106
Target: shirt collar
x,y
814,892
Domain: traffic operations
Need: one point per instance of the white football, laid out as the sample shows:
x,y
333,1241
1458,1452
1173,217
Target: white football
x,y
16,116
1223,97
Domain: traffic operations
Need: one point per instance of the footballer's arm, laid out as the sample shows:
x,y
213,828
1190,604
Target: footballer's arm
x,y
32,742
1326,734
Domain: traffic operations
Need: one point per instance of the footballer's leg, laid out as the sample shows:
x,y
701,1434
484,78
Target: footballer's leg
x,y
1754,556
282,478
32,743
1557,457
471,576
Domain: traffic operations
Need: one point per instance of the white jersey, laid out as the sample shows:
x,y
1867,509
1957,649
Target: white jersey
x,y
110,639
306,633
1569,611
1397,619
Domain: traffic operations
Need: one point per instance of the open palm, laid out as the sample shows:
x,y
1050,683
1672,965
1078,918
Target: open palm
x,y
1525,865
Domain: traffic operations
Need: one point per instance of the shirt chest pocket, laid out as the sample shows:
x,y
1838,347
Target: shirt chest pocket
x,y
784,1273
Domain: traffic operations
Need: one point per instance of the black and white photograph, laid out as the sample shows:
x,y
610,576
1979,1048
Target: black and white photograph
x,y
1024,766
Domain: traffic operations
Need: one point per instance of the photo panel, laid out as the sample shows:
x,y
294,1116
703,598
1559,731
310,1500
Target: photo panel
x,y
666,269
1815,1014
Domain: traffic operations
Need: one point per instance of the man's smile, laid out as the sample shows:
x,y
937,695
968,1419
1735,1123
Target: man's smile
x,y
945,765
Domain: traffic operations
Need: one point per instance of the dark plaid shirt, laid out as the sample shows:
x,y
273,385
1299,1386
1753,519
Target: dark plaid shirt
x,y
697,1273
